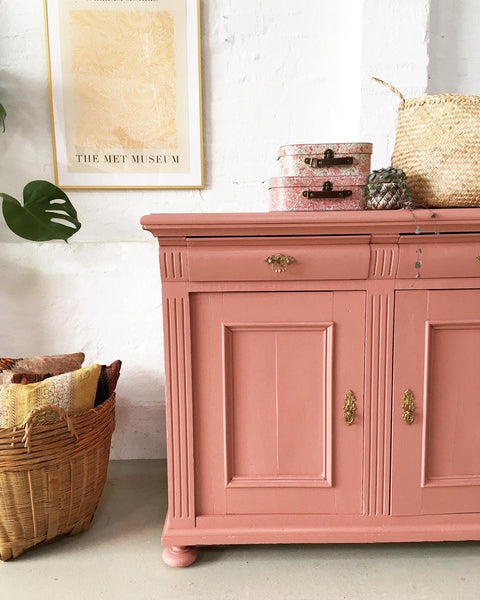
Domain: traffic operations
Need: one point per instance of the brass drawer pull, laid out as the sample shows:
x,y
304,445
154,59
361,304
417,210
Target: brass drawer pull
x,y
408,407
279,262
349,408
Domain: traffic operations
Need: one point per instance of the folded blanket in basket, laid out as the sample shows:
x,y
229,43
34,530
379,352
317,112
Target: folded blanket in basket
x,y
57,363
107,382
74,392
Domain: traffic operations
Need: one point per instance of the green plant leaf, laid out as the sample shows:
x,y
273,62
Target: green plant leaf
x,y
46,214
3,114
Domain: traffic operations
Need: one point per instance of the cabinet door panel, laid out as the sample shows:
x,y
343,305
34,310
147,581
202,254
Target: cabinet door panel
x,y
270,374
436,460
274,422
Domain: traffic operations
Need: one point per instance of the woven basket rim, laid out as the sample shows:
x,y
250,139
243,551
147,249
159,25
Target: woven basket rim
x,y
434,99
17,429
54,441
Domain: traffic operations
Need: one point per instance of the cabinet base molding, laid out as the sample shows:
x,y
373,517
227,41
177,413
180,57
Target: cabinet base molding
x,y
314,529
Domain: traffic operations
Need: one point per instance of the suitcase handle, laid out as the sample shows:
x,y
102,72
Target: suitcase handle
x,y
328,160
327,192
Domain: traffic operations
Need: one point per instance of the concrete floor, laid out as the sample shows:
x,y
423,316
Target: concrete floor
x,y
120,558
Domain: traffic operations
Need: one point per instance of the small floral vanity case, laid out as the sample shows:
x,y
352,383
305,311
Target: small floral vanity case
x,y
316,193
325,160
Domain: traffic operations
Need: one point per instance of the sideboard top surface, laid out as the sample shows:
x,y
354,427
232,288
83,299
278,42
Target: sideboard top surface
x,y
443,220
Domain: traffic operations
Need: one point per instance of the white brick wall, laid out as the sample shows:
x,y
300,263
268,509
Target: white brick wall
x,y
454,47
395,49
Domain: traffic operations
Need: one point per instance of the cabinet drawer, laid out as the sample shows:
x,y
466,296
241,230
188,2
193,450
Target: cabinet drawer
x,y
441,256
243,259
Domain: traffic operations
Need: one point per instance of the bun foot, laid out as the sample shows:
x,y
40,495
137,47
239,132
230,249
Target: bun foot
x,y
179,556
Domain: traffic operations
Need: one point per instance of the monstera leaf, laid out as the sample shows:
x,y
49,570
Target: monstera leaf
x,y
46,214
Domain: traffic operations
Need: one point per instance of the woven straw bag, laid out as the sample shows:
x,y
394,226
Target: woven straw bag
x,y
438,146
52,476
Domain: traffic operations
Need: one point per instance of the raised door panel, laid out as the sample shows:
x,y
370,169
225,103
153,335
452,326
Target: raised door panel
x,y
271,371
436,459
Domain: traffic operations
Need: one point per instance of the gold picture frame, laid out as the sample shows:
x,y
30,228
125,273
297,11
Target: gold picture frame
x,y
125,93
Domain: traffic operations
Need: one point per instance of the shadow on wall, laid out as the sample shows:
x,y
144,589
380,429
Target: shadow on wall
x,y
21,119
140,431
18,306
454,47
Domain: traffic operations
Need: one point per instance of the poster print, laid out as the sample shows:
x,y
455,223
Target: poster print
x,y
125,93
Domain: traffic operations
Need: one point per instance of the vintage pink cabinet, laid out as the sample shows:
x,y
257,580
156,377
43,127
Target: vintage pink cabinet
x,y
322,377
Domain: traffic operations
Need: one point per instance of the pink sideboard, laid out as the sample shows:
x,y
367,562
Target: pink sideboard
x,y
322,377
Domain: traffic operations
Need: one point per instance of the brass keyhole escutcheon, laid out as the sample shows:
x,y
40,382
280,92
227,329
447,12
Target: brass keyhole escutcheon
x,y
408,407
349,408
279,262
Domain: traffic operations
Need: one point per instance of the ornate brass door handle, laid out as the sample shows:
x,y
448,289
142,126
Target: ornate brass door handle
x,y
408,407
349,408
279,262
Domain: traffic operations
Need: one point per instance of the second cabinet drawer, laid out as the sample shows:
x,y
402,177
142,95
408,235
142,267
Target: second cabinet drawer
x,y
442,256
244,259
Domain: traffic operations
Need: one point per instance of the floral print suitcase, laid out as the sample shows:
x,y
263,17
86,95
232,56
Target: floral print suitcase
x,y
325,160
316,193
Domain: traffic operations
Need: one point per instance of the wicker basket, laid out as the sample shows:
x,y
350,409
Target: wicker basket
x,y
438,146
52,476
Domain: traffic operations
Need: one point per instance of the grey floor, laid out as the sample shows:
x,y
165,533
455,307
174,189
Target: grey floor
x,y
120,557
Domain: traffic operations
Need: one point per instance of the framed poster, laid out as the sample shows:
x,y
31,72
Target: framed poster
x,y
125,93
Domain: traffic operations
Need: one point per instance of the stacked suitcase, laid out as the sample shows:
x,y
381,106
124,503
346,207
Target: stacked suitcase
x,y
320,177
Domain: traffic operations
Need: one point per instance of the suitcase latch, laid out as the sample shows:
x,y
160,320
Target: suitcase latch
x,y
328,160
326,192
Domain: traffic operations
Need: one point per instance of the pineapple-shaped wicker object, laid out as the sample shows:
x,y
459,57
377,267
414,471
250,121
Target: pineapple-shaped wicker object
x,y
386,189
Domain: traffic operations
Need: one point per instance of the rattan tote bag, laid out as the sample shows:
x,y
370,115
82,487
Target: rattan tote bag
x,y
437,145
